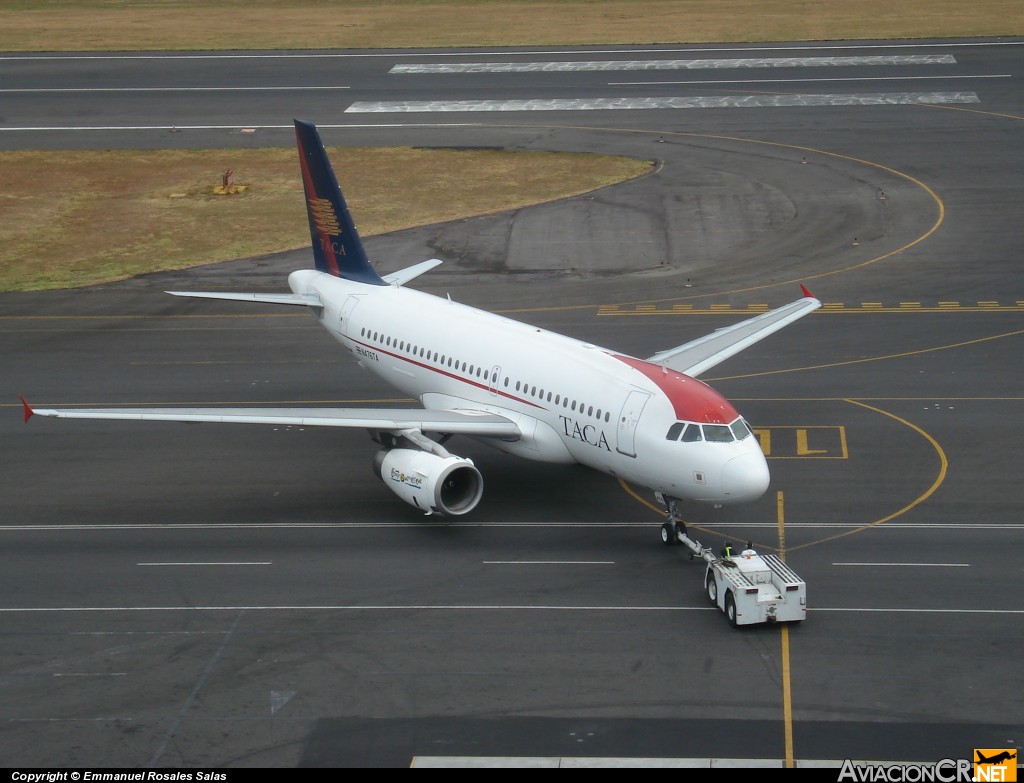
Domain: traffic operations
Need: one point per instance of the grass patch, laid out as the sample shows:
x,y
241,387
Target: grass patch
x,y
77,218
86,217
111,25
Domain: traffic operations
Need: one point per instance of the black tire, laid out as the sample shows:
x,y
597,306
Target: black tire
x,y
711,589
668,534
730,610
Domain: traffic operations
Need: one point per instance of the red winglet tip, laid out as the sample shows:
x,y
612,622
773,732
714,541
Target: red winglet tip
x,y
807,293
28,409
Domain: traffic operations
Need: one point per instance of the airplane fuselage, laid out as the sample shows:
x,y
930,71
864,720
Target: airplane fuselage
x,y
573,402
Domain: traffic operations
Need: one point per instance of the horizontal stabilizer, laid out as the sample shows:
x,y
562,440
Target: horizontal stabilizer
x,y
698,356
308,300
403,276
468,422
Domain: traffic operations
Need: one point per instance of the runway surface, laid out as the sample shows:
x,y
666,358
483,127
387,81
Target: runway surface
x,y
192,596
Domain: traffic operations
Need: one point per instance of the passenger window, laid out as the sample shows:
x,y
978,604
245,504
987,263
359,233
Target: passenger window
x,y
674,430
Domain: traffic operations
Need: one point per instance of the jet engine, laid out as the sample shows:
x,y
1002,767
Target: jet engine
x,y
446,485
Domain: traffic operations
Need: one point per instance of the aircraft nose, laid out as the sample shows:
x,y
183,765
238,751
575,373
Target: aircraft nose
x,y
745,478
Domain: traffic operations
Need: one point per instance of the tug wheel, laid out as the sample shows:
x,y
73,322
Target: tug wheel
x,y
711,586
730,609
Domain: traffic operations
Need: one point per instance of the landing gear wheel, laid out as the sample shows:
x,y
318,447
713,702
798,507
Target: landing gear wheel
x,y
668,534
730,610
711,587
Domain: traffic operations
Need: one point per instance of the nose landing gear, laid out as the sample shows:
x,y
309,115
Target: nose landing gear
x,y
673,531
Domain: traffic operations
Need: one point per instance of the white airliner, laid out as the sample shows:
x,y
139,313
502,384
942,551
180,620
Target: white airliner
x,y
527,391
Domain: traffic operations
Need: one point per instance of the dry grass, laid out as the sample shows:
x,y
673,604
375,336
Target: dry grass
x,y
75,218
78,218
78,25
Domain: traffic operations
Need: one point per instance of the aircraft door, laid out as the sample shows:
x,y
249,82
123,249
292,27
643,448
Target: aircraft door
x,y
346,314
492,380
629,417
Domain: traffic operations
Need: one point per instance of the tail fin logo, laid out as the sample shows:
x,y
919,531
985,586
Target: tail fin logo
x,y
325,216
337,249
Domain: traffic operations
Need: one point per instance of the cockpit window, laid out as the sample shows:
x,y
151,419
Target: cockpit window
x,y
717,433
692,434
739,429
674,430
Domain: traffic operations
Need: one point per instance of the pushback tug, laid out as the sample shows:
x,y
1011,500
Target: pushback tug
x,y
749,588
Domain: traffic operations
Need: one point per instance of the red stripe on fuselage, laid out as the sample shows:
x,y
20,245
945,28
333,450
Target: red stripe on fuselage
x,y
378,349
691,399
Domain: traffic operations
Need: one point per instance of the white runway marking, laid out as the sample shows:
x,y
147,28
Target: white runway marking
x,y
577,66
165,89
549,562
597,762
697,102
322,126
472,608
205,564
921,565
823,79
1011,526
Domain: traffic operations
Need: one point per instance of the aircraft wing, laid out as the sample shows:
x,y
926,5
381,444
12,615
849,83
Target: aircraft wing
x,y
698,356
461,422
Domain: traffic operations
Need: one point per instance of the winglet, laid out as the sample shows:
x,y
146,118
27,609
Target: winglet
x,y
337,248
28,412
806,293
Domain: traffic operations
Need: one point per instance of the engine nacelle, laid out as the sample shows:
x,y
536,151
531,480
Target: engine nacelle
x,y
446,485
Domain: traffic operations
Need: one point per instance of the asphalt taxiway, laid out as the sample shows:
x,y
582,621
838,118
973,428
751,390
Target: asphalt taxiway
x,y
186,596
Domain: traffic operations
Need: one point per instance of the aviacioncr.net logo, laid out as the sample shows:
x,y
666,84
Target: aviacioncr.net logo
x,y
944,771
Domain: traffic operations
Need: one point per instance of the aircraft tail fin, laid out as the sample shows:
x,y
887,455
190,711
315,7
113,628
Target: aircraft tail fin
x,y
337,248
